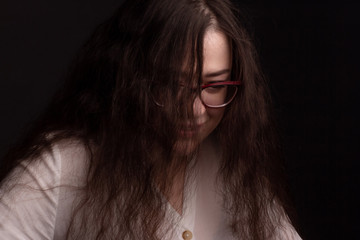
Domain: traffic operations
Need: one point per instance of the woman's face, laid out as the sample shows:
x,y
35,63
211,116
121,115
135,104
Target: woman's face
x,y
216,67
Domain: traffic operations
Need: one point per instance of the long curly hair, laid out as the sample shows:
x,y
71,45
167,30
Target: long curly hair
x,y
107,104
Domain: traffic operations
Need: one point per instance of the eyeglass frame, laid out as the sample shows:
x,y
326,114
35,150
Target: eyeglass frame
x,y
231,83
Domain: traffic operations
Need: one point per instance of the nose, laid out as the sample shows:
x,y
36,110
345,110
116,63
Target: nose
x,y
198,107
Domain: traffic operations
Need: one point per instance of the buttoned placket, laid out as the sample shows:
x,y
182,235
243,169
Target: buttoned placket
x,y
184,224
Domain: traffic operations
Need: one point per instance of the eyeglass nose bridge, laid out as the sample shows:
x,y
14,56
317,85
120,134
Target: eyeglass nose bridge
x,y
187,96
184,93
189,91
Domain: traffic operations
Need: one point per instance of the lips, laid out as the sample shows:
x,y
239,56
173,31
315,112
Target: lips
x,y
189,130
187,133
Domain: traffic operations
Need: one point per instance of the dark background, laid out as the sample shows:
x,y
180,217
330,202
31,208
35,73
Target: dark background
x,y
309,52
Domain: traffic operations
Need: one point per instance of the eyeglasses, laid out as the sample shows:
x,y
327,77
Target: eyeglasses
x,y
212,95
218,94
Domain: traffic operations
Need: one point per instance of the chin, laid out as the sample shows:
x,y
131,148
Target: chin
x,y
184,147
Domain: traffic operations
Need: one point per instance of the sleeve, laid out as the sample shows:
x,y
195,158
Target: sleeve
x,y
29,199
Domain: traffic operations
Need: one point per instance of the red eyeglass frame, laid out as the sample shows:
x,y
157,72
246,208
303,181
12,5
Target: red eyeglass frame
x,y
237,83
232,83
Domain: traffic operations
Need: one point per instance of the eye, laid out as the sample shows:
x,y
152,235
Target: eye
x,y
214,88
219,94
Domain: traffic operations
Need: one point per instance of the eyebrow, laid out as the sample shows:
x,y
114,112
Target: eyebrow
x,y
217,73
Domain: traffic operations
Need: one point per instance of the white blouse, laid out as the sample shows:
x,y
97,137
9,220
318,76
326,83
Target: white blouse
x,y
28,212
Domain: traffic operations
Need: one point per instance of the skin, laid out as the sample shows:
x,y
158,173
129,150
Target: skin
x,y
216,67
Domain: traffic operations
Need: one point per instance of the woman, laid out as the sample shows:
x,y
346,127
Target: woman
x,y
162,131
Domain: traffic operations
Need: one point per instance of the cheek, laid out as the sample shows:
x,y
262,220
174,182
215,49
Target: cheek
x,y
215,115
214,118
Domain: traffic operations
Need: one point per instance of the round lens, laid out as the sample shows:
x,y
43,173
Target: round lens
x,y
218,95
158,95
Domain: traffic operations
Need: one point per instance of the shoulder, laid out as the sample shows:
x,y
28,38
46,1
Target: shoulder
x,y
65,158
284,228
32,194
287,231
73,157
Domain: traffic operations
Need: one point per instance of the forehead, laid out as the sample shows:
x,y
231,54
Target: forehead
x,y
216,57
217,54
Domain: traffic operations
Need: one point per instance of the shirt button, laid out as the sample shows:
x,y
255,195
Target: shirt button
x,y
187,235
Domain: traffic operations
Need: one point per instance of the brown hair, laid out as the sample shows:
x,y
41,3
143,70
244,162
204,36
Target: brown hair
x,y
107,104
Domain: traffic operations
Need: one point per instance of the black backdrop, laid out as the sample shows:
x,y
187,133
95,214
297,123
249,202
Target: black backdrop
x,y
309,52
